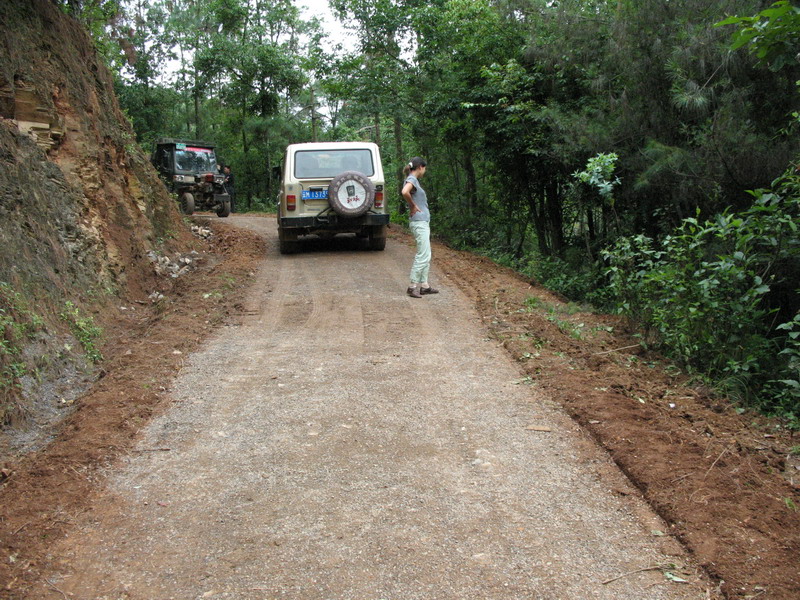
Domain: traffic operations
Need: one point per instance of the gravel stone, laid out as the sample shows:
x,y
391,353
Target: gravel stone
x,y
345,441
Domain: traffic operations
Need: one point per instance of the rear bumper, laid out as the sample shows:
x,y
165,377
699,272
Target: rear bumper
x,y
333,222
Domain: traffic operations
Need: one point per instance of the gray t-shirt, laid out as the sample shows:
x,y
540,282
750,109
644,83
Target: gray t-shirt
x,y
420,198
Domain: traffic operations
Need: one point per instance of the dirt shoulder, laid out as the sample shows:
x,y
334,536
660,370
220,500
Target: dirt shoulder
x,y
43,493
724,482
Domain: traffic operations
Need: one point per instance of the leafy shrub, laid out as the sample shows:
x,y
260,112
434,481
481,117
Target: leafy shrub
x,y
598,174
709,293
84,329
576,278
18,323
478,234
399,217
784,390
257,205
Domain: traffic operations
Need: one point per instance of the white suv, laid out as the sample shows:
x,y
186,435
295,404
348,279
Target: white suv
x,y
329,188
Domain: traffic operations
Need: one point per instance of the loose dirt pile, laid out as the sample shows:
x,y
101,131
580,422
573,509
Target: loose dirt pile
x,y
725,482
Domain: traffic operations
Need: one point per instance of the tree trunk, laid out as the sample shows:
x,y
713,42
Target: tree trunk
x,y
541,228
398,150
313,116
378,129
198,130
472,182
532,195
590,233
555,217
522,237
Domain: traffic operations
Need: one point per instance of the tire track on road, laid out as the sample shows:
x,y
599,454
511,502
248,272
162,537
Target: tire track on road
x,y
394,465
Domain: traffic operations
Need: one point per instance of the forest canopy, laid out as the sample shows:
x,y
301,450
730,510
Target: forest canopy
x,y
640,156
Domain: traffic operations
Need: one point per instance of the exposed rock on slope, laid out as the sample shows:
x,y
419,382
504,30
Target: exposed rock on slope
x,y
80,206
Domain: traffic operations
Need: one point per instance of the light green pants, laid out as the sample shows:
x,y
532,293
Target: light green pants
x,y
422,261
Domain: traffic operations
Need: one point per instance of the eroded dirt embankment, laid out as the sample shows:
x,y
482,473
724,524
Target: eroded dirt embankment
x,y
80,208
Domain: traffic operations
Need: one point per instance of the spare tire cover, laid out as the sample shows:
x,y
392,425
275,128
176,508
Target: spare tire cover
x,y
351,194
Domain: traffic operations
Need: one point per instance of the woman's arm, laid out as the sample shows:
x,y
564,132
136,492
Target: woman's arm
x,y
406,193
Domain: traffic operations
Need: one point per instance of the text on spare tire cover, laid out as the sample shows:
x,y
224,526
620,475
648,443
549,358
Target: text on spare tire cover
x,y
352,194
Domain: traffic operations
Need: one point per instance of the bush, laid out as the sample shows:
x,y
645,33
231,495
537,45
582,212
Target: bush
x,y
257,205
18,325
84,330
709,293
575,278
784,390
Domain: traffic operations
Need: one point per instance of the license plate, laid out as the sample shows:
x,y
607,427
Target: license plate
x,y
314,195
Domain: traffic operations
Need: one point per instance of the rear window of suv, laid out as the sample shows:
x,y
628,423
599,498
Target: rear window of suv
x,y
313,164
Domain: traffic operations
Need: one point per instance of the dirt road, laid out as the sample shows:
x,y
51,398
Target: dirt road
x,y
346,441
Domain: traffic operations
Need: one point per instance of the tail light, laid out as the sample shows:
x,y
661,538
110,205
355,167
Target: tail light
x,y
378,199
291,202
209,177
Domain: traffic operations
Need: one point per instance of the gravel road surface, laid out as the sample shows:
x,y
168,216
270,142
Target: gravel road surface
x,y
345,441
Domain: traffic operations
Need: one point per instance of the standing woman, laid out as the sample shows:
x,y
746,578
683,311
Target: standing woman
x,y
419,224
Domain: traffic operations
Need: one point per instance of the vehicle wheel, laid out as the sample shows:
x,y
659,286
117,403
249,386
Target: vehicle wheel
x,y
187,204
288,242
377,238
224,209
351,194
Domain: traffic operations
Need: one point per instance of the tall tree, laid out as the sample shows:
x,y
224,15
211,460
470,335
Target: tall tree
x,y
380,78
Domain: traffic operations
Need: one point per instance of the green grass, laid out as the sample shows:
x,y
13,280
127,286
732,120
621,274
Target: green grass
x,y
84,330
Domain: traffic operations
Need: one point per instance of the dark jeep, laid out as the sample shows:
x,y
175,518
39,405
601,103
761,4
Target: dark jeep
x,y
189,168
